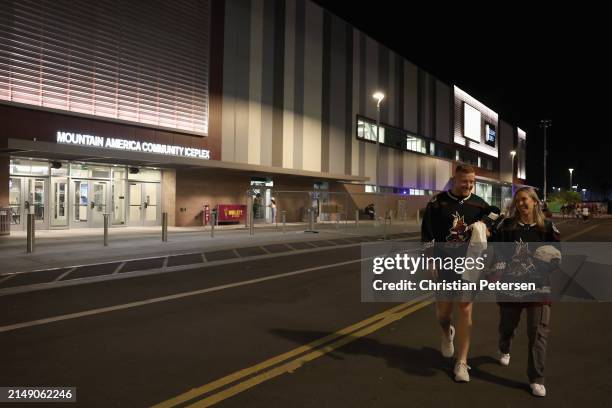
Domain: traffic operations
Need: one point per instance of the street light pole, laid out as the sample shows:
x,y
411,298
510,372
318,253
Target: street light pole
x,y
379,96
571,171
545,124
377,147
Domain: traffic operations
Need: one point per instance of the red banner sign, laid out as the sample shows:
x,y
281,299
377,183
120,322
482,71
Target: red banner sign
x,y
231,212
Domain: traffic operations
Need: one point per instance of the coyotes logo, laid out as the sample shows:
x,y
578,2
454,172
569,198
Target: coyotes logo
x,y
459,232
522,263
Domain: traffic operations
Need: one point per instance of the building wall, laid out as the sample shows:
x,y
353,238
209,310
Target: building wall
x,y
195,188
34,124
444,102
506,134
4,181
168,186
291,80
319,73
113,59
521,154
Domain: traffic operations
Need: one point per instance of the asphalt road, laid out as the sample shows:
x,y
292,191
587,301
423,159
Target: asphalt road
x,y
284,330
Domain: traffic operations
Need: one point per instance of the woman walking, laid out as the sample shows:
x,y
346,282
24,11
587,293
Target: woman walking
x,y
531,258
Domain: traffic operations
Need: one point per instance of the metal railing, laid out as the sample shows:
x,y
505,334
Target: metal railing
x,y
5,221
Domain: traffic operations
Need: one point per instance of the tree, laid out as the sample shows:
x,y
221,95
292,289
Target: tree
x,y
565,197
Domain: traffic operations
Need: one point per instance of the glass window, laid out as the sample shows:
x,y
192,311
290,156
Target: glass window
x,y
29,167
62,171
367,130
100,172
484,191
79,170
146,175
18,167
40,168
445,152
89,171
416,144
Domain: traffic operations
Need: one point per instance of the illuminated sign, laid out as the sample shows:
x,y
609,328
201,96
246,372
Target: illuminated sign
x,y
471,122
490,134
231,212
81,139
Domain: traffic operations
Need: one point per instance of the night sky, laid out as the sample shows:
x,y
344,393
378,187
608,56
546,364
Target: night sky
x,y
512,62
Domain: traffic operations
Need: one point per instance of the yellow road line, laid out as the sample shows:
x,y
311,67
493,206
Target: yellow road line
x,y
297,363
196,392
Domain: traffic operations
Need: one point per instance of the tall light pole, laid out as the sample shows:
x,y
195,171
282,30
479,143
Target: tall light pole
x,y
545,123
512,153
571,171
379,96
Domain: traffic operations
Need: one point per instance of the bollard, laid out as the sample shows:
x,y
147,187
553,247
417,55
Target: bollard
x,y
252,230
284,219
249,211
212,225
30,233
356,218
311,221
164,227
337,221
385,228
106,219
418,217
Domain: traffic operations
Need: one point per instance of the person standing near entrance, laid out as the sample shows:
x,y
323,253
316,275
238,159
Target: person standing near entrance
x,y
448,219
273,210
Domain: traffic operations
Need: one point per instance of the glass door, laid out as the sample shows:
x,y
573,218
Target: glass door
x,y
118,195
135,204
144,208
36,200
80,203
16,203
97,203
59,202
149,204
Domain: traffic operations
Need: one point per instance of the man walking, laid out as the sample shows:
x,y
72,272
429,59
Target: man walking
x,y
447,219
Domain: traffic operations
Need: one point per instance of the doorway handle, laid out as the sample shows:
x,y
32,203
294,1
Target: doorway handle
x,y
146,204
27,205
92,205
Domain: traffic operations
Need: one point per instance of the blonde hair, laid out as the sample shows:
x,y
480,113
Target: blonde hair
x,y
464,168
538,214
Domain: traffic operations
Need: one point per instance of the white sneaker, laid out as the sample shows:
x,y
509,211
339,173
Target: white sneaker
x,y
461,371
447,348
503,358
538,390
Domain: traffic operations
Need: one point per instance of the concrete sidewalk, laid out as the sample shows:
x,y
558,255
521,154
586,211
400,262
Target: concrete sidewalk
x,y
61,248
